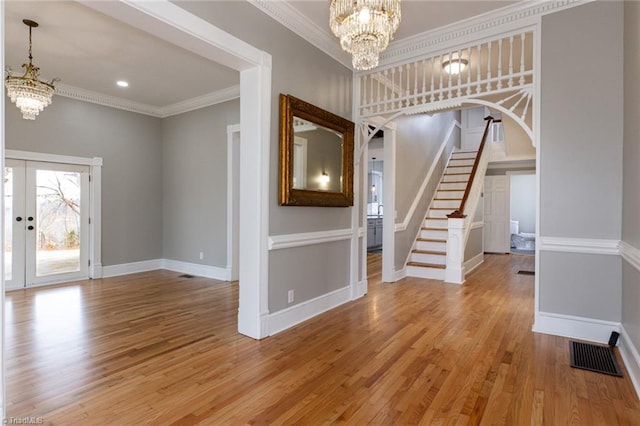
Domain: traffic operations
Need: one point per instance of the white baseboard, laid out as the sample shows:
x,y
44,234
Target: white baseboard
x,y
206,271
473,263
95,271
398,275
131,268
581,328
213,272
362,288
289,317
631,358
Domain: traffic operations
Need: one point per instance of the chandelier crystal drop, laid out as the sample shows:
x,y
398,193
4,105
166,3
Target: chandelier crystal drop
x,y
28,92
364,28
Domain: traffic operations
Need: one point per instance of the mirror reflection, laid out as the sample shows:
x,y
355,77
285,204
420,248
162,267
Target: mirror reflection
x,y
317,157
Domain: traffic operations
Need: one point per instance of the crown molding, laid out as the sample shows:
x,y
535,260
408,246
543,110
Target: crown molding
x,y
208,99
289,17
504,19
90,96
508,18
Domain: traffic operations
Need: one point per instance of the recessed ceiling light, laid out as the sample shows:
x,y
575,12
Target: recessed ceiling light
x,y
122,83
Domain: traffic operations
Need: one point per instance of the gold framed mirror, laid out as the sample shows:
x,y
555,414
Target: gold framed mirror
x,y
316,156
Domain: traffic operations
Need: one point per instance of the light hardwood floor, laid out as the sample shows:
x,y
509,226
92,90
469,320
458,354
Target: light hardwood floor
x,y
154,348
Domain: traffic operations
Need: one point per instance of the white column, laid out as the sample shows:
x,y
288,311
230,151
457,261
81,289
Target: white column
x,y
255,136
455,252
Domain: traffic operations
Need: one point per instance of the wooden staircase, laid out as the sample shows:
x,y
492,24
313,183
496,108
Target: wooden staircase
x,y
429,253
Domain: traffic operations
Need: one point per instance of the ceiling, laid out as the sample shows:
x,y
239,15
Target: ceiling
x,y
91,51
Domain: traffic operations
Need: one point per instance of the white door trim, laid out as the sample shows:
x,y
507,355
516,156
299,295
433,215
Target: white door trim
x,y
233,132
175,25
95,198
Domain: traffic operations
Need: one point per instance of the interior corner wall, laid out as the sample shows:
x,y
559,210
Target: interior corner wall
x,y
581,157
130,146
304,71
631,171
194,184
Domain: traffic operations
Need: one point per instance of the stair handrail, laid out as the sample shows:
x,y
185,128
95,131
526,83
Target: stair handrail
x,y
459,213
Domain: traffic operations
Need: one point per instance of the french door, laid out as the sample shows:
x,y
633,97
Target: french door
x,y
46,223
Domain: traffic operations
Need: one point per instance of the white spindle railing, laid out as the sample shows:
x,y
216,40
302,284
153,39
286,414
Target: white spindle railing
x,y
501,64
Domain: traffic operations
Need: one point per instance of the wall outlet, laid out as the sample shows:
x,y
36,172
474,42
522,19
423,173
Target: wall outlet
x,y
290,296
201,255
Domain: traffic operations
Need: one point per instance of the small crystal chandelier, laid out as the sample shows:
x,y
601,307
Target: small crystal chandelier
x,y
29,93
364,28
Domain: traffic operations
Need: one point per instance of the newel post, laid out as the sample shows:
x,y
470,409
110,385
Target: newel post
x,y
455,251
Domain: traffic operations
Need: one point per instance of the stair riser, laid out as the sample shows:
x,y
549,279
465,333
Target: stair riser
x,y
434,259
434,235
459,169
461,162
431,246
452,185
431,223
449,194
440,213
449,178
431,273
453,204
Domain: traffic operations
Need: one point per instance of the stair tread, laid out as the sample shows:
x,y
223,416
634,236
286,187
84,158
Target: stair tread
x,y
447,199
431,228
435,218
464,152
457,174
432,240
451,190
453,181
457,167
439,253
426,265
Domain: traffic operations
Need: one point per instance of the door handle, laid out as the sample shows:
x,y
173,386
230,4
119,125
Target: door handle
x,y
18,219
30,227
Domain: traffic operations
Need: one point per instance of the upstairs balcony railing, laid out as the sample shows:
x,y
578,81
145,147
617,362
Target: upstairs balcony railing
x,y
501,64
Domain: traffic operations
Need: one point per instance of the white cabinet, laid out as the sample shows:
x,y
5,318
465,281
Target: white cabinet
x,y
374,232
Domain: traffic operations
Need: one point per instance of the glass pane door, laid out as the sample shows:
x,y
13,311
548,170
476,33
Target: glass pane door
x,y
46,223
14,243
58,222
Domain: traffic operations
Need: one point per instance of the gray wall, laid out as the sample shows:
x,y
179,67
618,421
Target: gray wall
x,y
631,171
581,122
303,71
130,145
580,156
194,184
418,139
475,243
523,201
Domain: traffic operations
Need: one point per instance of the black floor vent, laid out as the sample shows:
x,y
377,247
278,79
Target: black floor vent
x,y
526,272
600,359
186,276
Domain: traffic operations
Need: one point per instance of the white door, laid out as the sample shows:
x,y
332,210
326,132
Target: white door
x,y
473,125
496,214
46,223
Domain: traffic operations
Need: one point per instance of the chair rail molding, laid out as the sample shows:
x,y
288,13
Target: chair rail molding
x,y
277,242
630,253
579,245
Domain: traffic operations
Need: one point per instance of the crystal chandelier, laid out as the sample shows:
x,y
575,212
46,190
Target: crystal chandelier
x,y
29,93
364,28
